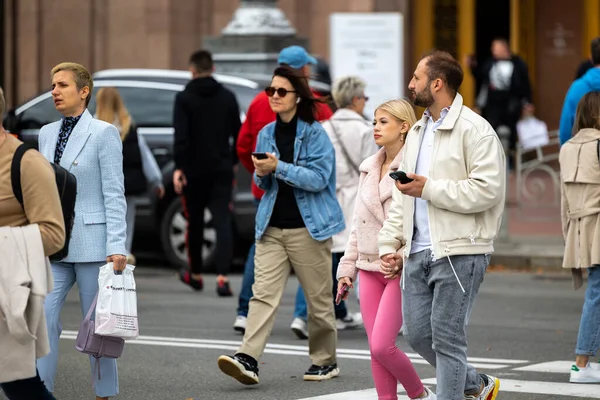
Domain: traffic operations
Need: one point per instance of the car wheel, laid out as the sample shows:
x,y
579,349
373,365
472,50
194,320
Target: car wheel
x,y
173,237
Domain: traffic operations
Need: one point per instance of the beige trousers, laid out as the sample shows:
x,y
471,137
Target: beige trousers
x,y
277,252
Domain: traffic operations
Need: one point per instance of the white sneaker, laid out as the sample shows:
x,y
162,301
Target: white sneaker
x,y
589,374
240,323
430,395
352,321
300,328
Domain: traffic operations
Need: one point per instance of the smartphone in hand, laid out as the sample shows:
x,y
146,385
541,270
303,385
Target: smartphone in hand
x,y
341,294
401,177
260,156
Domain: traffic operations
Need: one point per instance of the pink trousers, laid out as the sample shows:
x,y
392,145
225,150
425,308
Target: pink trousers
x,y
381,309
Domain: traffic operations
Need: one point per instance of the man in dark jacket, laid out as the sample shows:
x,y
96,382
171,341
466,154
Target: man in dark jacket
x,y
206,118
505,89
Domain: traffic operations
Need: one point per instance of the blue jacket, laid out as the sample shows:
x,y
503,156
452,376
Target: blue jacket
x,y
94,155
312,175
590,82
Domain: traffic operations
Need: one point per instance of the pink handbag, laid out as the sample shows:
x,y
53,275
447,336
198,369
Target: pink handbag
x,y
95,345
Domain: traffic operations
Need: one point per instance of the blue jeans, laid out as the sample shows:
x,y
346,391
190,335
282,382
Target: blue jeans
x,y
588,339
436,312
341,311
65,276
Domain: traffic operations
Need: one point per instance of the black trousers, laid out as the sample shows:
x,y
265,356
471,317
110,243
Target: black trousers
x,y
498,115
27,389
215,193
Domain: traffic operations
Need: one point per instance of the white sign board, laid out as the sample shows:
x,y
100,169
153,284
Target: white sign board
x,y
370,46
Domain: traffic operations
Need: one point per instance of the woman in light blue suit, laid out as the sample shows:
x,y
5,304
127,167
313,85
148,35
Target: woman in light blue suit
x,y
92,151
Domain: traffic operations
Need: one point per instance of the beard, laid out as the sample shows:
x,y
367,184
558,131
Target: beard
x,y
424,99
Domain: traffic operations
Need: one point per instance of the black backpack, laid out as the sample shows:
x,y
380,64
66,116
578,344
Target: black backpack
x,y
67,191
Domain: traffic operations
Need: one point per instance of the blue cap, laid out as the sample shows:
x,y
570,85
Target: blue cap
x,y
296,57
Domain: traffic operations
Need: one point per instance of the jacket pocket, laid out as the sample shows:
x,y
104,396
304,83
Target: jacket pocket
x,y
94,218
16,319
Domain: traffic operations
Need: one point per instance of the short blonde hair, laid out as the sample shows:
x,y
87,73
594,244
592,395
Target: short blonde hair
x,y
2,103
347,88
401,110
83,77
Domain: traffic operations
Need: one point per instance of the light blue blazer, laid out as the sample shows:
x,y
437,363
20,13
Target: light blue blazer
x,y
94,154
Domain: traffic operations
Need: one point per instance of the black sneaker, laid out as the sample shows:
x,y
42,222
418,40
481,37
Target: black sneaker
x,y
321,373
223,289
186,277
240,367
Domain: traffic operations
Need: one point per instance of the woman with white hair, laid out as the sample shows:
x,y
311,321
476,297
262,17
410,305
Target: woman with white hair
x,y
352,138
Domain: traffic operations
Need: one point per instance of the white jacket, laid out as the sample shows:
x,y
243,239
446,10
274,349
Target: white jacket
x,y
465,190
356,137
25,280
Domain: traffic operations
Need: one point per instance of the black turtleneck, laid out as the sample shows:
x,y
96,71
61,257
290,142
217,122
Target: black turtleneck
x,y
286,214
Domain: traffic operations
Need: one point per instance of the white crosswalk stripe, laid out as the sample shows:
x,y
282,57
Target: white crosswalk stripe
x,y
559,389
284,349
506,386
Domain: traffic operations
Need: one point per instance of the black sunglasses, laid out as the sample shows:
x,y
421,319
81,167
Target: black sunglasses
x,y
281,92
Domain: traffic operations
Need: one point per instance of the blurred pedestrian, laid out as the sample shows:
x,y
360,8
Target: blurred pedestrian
x,y
139,166
296,219
41,218
446,220
258,116
505,89
206,118
381,297
92,151
580,190
589,82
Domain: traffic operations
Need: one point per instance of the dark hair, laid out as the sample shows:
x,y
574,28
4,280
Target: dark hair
x,y
441,65
595,47
202,61
588,112
307,108
501,40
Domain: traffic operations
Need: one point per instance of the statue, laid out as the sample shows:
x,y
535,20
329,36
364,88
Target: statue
x,y
259,17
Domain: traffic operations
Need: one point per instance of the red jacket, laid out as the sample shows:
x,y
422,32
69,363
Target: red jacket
x,y
260,114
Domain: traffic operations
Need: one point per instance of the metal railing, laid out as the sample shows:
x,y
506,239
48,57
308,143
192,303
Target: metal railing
x,y
538,178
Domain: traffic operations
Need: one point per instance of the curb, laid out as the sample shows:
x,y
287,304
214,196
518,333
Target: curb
x,y
541,254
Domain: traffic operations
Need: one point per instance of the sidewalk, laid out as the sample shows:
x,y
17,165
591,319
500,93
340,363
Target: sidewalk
x,y
535,240
530,253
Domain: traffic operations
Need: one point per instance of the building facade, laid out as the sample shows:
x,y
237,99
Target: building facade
x,y
551,35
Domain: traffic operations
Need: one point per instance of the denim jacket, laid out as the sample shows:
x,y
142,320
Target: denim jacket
x,y
312,176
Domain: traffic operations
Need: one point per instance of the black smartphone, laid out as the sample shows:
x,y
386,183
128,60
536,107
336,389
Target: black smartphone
x,y
260,156
401,177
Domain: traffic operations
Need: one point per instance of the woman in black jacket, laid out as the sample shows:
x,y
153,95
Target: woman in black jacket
x,y
139,166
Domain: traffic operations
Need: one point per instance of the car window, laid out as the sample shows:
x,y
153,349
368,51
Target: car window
x,y
244,95
39,115
149,107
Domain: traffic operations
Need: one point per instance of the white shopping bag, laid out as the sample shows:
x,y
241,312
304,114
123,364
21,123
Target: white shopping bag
x,y
532,133
116,308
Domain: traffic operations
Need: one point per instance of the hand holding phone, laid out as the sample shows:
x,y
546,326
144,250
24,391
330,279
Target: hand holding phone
x,y
260,156
341,294
401,177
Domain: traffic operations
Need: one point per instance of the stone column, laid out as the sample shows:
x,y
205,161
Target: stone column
x,y
250,43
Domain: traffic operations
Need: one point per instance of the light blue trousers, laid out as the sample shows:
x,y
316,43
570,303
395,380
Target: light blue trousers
x,y
65,276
